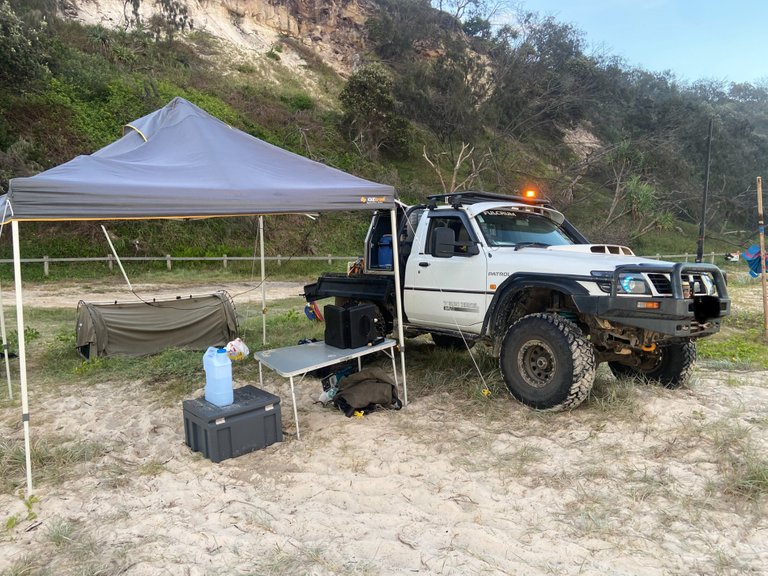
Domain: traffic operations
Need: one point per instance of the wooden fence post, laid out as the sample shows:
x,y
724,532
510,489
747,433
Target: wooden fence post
x,y
168,261
45,265
224,260
279,260
109,261
761,230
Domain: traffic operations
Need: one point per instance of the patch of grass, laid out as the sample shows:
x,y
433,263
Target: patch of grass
x,y
732,381
305,559
748,476
737,349
59,531
173,372
52,462
152,468
644,484
30,335
77,552
462,374
116,476
742,466
261,519
25,566
520,460
286,325
618,396
592,513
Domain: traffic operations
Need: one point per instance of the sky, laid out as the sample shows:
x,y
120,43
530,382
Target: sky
x,y
696,39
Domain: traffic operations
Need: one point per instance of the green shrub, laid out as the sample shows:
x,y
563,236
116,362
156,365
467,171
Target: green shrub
x,y
300,101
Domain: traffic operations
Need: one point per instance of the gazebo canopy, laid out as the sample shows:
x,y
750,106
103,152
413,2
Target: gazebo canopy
x,y
181,162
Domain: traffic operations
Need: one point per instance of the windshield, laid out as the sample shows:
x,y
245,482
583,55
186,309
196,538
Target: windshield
x,y
509,228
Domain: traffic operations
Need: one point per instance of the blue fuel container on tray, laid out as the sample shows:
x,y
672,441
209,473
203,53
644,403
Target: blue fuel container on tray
x,y
218,377
385,251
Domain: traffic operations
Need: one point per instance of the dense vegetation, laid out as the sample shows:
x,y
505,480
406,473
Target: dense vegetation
x,y
444,100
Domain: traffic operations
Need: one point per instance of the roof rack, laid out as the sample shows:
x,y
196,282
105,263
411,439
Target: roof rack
x,y
467,197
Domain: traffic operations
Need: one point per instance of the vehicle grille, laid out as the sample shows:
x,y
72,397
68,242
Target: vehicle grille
x,y
661,283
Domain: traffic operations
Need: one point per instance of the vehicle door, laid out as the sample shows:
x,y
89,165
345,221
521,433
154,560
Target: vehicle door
x,y
445,280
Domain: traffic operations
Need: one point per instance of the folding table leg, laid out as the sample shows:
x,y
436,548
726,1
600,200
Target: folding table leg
x,y
394,368
295,411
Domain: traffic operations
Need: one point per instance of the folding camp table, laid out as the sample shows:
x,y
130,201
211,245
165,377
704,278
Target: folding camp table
x,y
298,360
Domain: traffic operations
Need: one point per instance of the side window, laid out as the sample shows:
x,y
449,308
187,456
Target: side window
x,y
459,231
408,231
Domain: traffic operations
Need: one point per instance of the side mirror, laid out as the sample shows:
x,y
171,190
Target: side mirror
x,y
444,239
446,245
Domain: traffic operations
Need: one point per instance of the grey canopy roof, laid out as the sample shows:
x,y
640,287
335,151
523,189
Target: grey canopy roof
x,y
181,162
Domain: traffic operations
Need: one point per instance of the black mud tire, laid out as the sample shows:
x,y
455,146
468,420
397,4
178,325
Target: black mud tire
x,y
669,365
547,362
450,342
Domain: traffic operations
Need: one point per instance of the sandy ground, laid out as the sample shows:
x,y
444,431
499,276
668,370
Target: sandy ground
x,y
637,481
65,295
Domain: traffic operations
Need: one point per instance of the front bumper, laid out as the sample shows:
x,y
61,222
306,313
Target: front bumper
x,y
676,314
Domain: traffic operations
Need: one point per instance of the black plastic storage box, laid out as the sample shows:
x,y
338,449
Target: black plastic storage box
x,y
350,326
250,423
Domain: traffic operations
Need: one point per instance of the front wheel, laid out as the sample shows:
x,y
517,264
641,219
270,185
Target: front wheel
x,y
547,362
669,365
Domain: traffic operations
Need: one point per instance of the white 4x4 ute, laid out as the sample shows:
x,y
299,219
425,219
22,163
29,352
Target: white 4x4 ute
x,y
517,274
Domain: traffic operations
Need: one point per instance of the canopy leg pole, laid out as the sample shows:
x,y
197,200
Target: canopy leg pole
x,y
5,346
398,298
263,285
22,354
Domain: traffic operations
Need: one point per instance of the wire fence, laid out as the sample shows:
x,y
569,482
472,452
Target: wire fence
x,y
225,260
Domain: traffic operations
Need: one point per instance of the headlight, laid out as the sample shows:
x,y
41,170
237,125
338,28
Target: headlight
x,y
632,283
629,282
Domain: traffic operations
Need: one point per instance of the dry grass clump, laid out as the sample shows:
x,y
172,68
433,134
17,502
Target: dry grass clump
x,y
303,559
617,396
52,461
743,468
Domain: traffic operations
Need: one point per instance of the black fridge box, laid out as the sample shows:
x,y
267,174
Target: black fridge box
x,y
350,326
250,423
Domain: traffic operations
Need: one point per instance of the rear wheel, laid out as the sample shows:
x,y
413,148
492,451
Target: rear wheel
x,y
669,365
547,362
450,342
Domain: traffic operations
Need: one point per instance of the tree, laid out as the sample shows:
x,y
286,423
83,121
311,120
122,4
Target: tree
x,y
404,28
370,117
22,54
541,77
466,10
473,168
172,17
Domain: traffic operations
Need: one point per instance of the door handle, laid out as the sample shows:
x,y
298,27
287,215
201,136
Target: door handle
x,y
423,264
